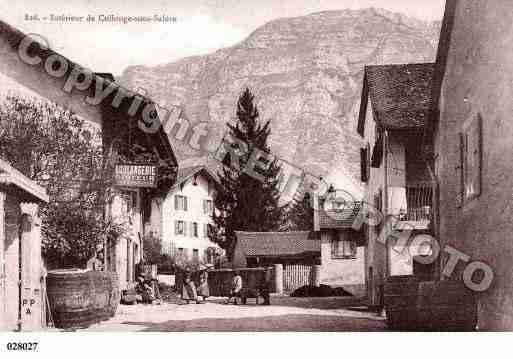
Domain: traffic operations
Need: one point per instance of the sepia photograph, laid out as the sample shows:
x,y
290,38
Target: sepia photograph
x,y
243,166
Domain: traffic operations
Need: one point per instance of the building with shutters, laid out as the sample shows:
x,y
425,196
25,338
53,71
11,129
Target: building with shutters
x,y
182,217
395,161
473,136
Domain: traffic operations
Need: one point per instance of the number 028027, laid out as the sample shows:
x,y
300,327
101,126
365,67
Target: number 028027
x,y
17,346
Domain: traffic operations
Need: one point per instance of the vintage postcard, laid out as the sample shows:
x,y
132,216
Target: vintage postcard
x,y
255,166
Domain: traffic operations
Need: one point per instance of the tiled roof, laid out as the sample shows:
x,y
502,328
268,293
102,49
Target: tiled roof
x,y
400,95
339,219
277,243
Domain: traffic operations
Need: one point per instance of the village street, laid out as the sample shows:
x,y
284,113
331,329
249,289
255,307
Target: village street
x,y
286,314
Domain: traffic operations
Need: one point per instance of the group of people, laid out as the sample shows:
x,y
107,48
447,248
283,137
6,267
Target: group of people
x,y
189,290
191,293
146,290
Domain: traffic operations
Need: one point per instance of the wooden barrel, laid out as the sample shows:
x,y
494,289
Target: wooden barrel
x,y
412,304
80,298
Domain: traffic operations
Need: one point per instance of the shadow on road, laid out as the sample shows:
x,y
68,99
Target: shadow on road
x,y
288,322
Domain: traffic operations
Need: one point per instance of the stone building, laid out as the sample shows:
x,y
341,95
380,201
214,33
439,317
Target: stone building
x,y
473,85
22,272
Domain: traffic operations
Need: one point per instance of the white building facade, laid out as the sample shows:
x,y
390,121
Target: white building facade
x,y
183,217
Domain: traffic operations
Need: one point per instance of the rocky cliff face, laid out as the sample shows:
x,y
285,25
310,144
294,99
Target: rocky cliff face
x,y
306,73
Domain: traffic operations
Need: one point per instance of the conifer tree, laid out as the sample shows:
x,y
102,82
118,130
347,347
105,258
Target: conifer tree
x,y
246,202
299,215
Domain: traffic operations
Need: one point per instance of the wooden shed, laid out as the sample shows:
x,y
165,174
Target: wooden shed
x,y
22,274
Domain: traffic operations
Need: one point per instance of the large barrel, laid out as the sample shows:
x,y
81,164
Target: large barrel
x,y
80,298
412,304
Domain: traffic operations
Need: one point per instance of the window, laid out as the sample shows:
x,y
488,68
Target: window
x,y
195,255
470,159
378,205
180,203
128,204
378,200
207,230
180,228
208,206
377,151
209,257
195,229
343,249
128,261
365,163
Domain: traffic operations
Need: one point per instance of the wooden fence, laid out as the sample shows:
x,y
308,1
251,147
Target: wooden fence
x,y
297,275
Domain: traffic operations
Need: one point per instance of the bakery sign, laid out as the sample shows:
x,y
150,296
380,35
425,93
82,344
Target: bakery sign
x,y
132,175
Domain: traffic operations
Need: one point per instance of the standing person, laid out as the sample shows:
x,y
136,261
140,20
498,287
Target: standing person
x,y
203,289
189,289
236,287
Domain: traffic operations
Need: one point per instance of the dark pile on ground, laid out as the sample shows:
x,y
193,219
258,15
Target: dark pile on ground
x,y
168,294
321,291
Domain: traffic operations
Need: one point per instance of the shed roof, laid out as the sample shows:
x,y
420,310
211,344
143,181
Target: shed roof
x,y
11,176
278,243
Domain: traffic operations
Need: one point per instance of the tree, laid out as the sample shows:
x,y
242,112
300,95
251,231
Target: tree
x,y
152,247
245,202
61,152
300,215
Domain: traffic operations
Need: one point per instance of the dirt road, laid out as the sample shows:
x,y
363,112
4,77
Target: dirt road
x,y
286,314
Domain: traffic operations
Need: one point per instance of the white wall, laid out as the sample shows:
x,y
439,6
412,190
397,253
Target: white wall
x,y
375,260
349,273
195,195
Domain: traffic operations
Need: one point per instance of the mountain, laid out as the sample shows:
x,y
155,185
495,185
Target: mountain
x,y
306,73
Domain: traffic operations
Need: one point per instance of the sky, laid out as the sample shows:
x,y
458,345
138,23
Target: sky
x,y
202,26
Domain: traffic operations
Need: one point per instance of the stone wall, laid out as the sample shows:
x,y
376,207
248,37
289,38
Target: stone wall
x,y
479,81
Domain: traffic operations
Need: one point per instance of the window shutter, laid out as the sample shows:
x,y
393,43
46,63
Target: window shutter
x,y
176,202
176,227
184,203
368,160
363,164
204,206
461,170
472,169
